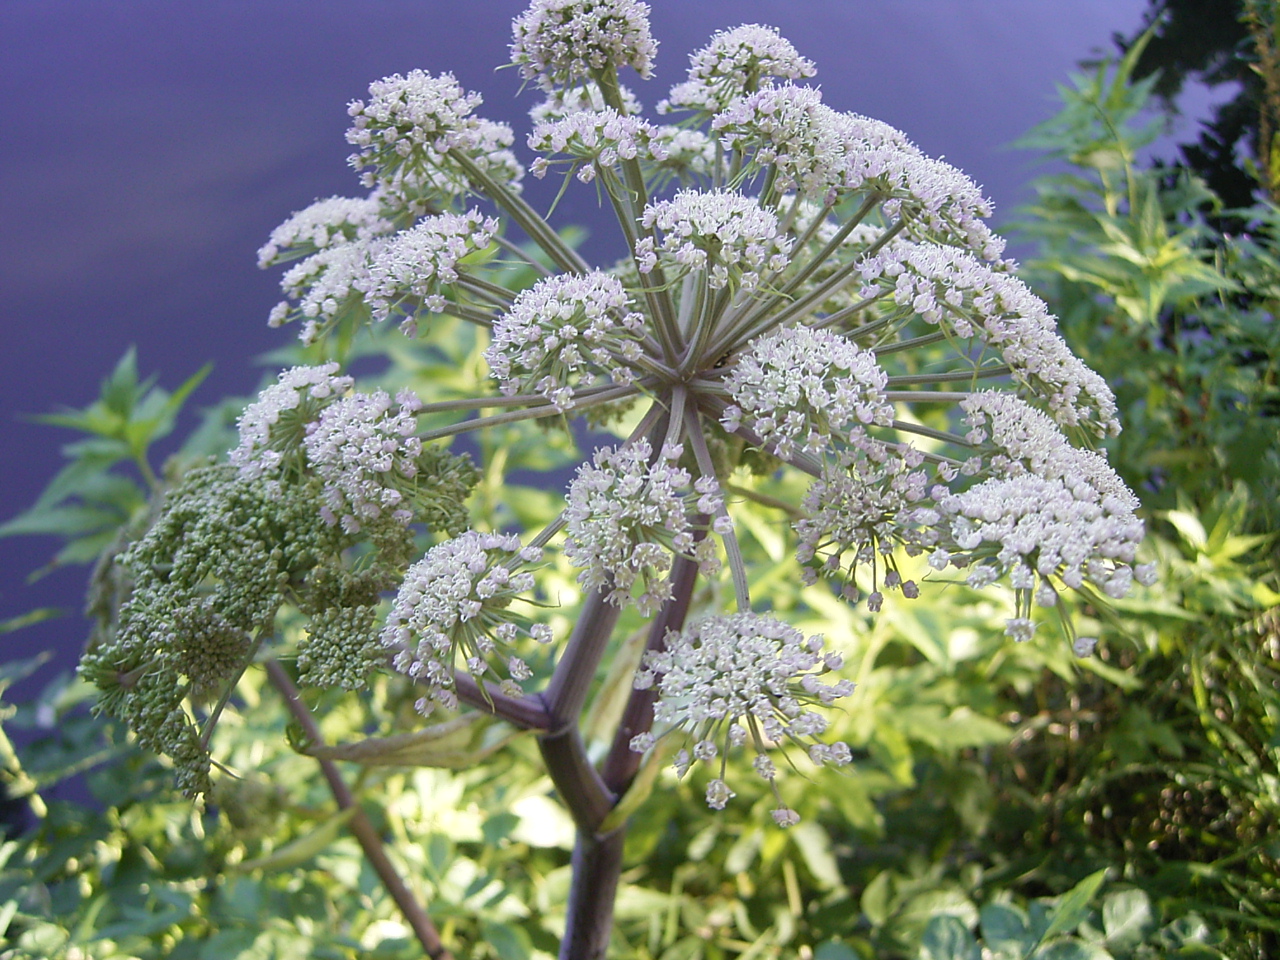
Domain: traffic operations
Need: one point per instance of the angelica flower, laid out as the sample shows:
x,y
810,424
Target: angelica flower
x,y
733,64
406,131
584,97
455,603
327,286
358,448
863,506
950,287
325,223
729,236
802,389
1057,528
561,333
560,42
625,518
273,428
742,676
1021,438
594,138
411,273
790,129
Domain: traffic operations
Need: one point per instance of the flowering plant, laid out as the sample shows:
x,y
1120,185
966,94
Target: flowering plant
x,y
805,294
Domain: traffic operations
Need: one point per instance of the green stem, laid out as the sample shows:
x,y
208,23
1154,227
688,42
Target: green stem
x,y
539,231
527,713
926,396
920,429
958,376
499,296
706,466
533,413
520,252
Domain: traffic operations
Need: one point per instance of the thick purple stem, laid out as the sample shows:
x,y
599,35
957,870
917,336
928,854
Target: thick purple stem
x,y
622,763
597,858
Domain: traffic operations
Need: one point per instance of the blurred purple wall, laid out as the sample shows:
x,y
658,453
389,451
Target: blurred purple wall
x,y
149,147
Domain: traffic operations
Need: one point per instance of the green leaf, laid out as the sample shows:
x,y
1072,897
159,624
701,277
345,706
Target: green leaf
x,y
458,744
1071,950
815,847
1127,919
835,950
946,938
877,898
299,851
509,942
24,620
1073,906
1005,930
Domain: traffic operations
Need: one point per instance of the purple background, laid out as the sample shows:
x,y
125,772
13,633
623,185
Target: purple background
x,y
149,148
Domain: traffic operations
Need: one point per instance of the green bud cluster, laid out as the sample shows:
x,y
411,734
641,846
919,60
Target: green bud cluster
x,y
202,588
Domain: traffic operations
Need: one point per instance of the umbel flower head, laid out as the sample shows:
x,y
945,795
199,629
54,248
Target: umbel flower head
x,y
563,333
744,677
455,603
628,514
734,64
805,291
558,43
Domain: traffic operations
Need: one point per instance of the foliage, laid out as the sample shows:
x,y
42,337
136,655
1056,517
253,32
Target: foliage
x,y
1181,784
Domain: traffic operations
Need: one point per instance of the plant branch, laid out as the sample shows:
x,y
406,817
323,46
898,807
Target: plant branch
x,y
527,713
359,823
622,763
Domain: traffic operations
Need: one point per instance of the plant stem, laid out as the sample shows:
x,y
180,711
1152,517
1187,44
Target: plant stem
x,y
359,823
597,859
596,865
530,413
622,763
524,712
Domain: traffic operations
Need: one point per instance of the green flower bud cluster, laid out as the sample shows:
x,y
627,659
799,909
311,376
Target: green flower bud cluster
x,y
204,585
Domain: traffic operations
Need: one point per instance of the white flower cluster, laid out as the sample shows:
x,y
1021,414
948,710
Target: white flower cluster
x,y
732,65
409,273
409,126
800,389
937,201
863,506
325,223
625,518
326,286
559,42
560,332
946,285
729,236
791,129
1017,438
1051,510
273,428
1029,529
360,448
739,677
455,601
683,152
598,138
